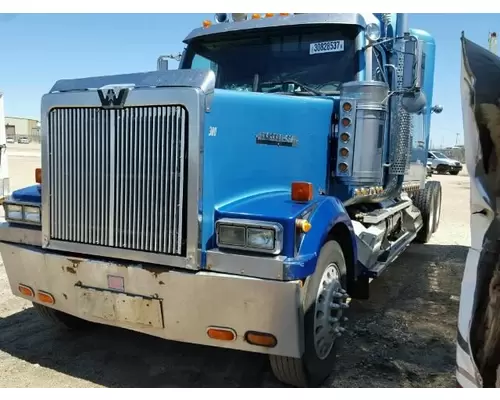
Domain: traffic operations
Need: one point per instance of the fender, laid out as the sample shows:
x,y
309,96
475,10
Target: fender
x,y
28,194
329,213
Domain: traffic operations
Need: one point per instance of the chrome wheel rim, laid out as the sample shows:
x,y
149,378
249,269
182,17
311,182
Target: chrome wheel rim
x,y
432,214
329,307
438,209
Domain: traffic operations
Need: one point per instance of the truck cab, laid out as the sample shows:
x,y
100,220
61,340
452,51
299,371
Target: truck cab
x,y
240,201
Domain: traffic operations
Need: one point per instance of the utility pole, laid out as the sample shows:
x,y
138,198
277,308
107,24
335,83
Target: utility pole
x,y
456,141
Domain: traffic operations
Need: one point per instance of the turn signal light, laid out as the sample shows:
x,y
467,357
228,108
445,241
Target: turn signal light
x,y
207,23
302,191
255,16
269,15
261,339
38,175
303,224
221,334
26,290
45,297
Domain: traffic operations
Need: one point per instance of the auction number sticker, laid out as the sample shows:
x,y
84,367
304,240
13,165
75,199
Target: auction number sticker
x,y
326,47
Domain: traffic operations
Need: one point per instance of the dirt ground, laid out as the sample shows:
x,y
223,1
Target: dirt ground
x,y
402,337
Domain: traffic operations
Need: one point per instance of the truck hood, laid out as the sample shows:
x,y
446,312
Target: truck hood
x,y
256,143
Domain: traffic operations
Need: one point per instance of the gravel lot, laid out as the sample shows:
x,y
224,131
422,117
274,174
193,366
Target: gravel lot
x,y
402,337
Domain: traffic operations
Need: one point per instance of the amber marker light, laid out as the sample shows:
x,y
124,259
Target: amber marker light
x,y
302,191
45,297
38,175
303,224
345,137
343,167
225,334
347,107
346,122
261,339
26,290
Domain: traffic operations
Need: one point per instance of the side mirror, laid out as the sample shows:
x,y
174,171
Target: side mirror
x,y
162,63
413,65
437,109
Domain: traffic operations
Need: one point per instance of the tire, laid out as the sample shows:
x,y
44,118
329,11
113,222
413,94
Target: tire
x,y
454,172
442,169
62,320
311,370
426,201
436,187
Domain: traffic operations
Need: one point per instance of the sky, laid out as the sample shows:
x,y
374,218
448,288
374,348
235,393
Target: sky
x,y
38,49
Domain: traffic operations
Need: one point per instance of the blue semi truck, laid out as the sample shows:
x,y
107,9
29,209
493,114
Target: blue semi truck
x,y
240,201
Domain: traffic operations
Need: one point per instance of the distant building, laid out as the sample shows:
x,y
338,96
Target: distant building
x,y
16,127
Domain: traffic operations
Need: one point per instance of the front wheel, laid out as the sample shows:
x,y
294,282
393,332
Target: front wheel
x,y
454,172
324,305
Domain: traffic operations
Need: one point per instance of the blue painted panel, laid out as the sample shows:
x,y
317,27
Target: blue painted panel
x,y
329,212
29,194
239,175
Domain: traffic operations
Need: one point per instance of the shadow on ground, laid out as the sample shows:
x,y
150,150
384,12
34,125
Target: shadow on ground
x,y
402,337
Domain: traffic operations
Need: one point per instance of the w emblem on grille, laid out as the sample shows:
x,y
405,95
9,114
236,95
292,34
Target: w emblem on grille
x,y
111,99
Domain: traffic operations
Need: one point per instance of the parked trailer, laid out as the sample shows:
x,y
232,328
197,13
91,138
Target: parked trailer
x,y
478,338
240,201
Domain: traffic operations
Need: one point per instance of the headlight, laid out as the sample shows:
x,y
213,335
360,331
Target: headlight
x,y
14,212
248,235
31,214
22,213
372,32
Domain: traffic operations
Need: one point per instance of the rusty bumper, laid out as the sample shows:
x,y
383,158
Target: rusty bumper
x,y
171,304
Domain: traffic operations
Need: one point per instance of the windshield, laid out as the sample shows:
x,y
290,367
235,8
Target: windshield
x,y
305,60
440,155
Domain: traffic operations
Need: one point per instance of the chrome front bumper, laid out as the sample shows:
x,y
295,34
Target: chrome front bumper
x,y
174,305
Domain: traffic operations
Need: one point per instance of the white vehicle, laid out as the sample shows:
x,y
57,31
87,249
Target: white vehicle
x,y
478,337
443,164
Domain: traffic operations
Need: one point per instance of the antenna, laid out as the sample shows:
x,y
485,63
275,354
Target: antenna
x,y
492,42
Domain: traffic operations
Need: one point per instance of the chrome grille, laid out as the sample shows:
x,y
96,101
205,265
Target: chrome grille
x,y
117,177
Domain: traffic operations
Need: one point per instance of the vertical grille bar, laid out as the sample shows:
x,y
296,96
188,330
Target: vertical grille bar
x,y
117,177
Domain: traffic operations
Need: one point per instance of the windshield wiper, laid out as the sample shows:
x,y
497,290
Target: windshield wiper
x,y
296,83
